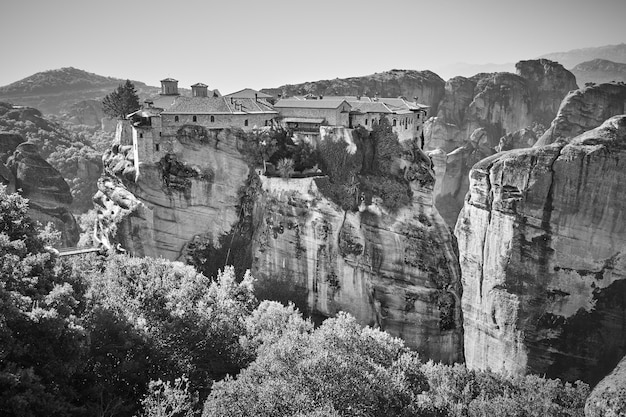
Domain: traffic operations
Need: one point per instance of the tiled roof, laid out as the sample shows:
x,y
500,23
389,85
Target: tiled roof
x,y
370,107
199,85
309,104
248,93
199,105
169,79
302,120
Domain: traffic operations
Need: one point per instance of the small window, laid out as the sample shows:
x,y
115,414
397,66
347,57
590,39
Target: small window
x,y
266,122
195,118
156,147
365,122
372,122
141,135
245,122
212,119
175,118
394,122
160,134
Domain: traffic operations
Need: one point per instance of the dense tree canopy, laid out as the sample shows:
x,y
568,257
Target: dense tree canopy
x,y
122,101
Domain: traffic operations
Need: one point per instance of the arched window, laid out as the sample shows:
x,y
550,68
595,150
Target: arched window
x,y
175,118
195,118
141,135
212,119
372,122
266,122
156,147
394,122
365,122
245,122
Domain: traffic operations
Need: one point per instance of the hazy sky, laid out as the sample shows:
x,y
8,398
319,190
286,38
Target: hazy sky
x,y
234,44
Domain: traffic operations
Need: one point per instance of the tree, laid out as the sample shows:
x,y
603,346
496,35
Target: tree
x,y
122,101
41,339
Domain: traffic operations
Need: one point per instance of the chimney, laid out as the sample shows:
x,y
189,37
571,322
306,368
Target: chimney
x,y
415,99
169,87
147,103
199,90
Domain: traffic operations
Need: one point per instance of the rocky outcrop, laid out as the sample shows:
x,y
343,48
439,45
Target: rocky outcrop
x,y
585,109
548,83
190,191
608,398
8,144
427,86
494,106
395,270
542,243
523,138
48,194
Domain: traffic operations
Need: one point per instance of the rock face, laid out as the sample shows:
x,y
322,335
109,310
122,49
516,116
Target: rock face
x,y
608,398
398,271
494,106
48,193
542,242
190,192
585,109
548,83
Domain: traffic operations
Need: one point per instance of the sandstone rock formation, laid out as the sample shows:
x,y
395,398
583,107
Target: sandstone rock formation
x,y
608,398
48,194
585,109
187,192
548,83
398,271
542,242
494,105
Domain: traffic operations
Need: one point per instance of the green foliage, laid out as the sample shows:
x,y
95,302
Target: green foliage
x,y
285,167
479,393
165,399
339,367
121,102
41,339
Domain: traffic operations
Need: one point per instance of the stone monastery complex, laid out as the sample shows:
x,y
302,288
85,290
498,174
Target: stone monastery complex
x,y
161,119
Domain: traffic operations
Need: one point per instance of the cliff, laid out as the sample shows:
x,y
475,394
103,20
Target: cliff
x,y
190,191
608,398
48,194
494,106
542,247
394,269
427,86
585,109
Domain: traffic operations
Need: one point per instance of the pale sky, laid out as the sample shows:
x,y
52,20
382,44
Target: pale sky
x,y
235,44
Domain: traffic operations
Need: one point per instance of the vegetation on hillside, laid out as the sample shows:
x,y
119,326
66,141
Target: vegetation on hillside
x,y
74,150
105,335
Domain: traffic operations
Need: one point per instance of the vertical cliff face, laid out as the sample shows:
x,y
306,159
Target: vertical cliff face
x,y
48,194
190,192
494,105
396,270
585,109
548,83
542,243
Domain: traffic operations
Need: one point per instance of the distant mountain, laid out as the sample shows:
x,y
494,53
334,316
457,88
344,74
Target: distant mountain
x,y
56,91
569,59
599,71
427,86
